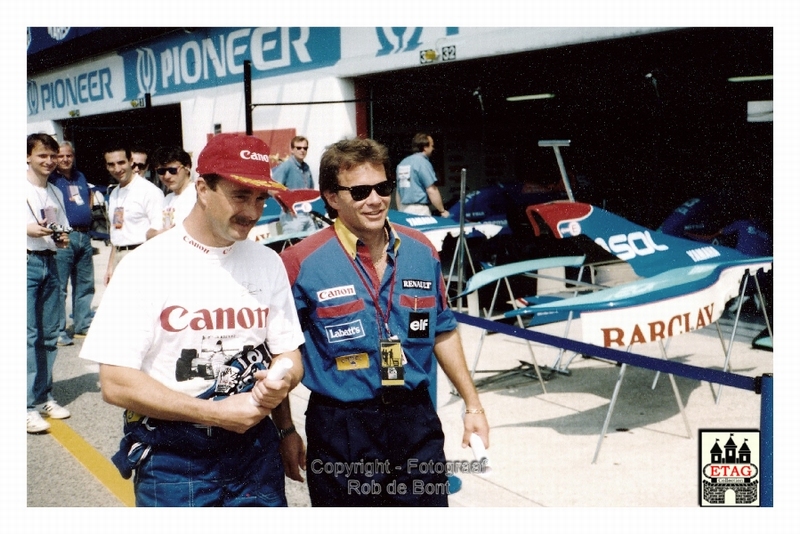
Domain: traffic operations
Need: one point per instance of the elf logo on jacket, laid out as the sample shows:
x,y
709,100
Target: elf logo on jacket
x,y
417,284
336,292
177,318
345,331
419,325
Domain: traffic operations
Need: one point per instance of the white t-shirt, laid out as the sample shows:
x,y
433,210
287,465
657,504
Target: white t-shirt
x,y
133,210
173,295
177,207
45,206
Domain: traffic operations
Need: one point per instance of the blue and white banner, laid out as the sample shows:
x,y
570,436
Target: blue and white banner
x,y
215,56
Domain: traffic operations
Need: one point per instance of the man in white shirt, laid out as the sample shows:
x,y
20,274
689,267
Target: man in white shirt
x,y
206,328
173,165
134,207
45,219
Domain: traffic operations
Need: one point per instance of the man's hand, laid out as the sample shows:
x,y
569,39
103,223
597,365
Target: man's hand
x,y
269,393
293,453
134,390
239,414
37,230
475,424
63,240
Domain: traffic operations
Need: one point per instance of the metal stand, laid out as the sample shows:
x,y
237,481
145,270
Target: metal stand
x,y
461,245
615,395
729,349
556,144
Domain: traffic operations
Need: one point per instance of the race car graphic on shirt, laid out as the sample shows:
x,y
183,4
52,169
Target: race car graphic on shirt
x,y
232,370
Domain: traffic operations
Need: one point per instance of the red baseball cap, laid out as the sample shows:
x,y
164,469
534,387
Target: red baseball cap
x,y
243,159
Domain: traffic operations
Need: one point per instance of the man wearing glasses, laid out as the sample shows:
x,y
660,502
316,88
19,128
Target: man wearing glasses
x,y
295,173
134,206
373,308
173,167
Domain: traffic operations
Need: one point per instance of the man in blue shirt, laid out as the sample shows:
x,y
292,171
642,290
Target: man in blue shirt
x,y
75,261
416,181
372,303
295,173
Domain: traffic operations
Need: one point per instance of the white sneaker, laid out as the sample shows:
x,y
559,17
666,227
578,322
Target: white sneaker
x,y
36,424
54,410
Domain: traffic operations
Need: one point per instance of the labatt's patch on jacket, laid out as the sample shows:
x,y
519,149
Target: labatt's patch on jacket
x,y
345,331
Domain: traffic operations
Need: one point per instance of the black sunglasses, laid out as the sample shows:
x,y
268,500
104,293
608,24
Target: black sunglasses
x,y
138,165
360,192
165,170
301,148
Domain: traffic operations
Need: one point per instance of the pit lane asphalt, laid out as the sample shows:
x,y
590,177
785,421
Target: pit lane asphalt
x,y
541,443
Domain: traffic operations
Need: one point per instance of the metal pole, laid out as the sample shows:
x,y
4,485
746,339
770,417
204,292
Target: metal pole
x,y
461,239
248,99
766,440
555,144
371,116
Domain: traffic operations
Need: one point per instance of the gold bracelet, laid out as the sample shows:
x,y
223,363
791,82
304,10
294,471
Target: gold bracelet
x,y
477,411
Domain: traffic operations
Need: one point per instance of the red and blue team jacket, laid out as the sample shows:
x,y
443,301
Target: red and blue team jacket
x,y
345,311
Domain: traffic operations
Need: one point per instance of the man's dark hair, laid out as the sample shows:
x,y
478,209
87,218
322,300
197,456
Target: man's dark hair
x,y
211,180
165,155
43,138
420,142
117,146
139,149
345,155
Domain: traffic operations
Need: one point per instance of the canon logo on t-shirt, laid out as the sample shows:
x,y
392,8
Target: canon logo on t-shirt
x,y
177,318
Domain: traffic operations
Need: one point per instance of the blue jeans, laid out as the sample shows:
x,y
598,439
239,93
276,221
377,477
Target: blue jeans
x,y
43,299
243,470
75,264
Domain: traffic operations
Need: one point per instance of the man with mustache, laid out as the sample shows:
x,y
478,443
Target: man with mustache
x,y
186,352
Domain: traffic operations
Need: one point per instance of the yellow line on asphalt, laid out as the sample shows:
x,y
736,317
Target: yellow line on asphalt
x,y
96,463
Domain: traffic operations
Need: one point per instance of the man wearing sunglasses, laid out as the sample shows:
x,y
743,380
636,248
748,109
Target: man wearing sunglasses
x,y
416,181
295,173
173,167
373,308
134,206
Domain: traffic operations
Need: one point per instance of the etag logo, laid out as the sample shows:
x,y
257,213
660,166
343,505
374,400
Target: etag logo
x,y
344,332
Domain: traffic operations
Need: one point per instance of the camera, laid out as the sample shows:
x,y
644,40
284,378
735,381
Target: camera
x,y
58,230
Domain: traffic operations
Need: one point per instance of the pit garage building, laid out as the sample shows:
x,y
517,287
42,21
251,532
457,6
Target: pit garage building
x,y
653,116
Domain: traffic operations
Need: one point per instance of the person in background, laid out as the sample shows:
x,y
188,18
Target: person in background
x,y
135,207
295,173
173,165
46,230
75,263
416,181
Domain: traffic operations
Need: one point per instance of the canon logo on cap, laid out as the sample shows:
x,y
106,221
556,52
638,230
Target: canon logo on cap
x,y
246,154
